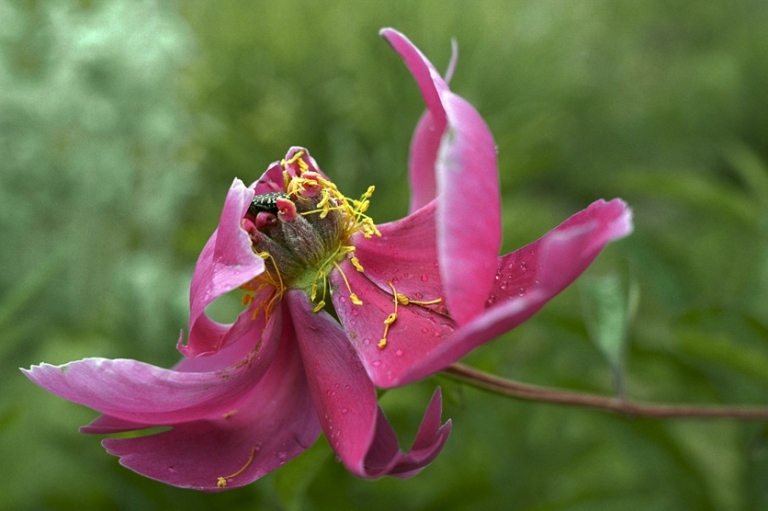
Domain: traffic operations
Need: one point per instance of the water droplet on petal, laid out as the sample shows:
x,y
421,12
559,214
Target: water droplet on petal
x,y
523,266
344,410
503,284
376,363
343,299
355,312
395,280
424,278
366,341
491,300
399,353
419,296
521,291
424,330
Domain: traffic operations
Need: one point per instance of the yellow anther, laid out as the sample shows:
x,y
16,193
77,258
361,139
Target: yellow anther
x,y
389,320
355,299
247,299
313,292
293,159
356,263
221,482
319,306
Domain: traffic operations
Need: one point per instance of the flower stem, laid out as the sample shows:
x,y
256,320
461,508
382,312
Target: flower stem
x,y
528,392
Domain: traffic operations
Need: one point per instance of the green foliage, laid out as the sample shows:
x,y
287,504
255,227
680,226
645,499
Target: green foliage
x,y
122,123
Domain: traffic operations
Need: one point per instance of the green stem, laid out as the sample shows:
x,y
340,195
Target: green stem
x,y
528,392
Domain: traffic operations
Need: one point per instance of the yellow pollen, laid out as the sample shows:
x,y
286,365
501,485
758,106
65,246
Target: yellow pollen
x,y
319,306
356,263
296,157
221,482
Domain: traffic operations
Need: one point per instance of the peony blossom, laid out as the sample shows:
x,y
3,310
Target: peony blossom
x,y
411,297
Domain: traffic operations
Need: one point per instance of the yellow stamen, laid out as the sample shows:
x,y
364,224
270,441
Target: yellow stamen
x,y
407,301
221,482
390,319
356,263
352,296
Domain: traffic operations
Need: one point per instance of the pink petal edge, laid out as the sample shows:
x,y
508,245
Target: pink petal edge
x,y
142,393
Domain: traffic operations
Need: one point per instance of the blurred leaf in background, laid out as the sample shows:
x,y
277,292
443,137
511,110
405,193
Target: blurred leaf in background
x,y
122,125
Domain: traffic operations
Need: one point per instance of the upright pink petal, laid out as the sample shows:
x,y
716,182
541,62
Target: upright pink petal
x,y
345,400
273,424
226,262
138,392
530,277
464,163
422,160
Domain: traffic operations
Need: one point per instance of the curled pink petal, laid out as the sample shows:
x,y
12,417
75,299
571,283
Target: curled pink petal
x,y
464,163
273,424
142,393
530,277
226,263
385,458
346,404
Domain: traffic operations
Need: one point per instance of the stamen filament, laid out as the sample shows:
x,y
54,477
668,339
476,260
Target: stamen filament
x,y
352,296
222,481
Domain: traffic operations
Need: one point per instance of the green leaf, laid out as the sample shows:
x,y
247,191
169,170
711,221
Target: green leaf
x,y
607,311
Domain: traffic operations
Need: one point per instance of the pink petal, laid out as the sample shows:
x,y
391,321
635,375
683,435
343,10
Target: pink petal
x,y
138,392
530,277
464,163
413,336
346,404
423,152
226,263
405,255
273,424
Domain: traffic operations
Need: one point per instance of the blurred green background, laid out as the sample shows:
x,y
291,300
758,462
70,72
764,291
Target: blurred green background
x,y
123,122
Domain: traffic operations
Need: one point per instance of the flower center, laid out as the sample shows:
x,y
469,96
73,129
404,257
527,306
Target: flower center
x,y
301,229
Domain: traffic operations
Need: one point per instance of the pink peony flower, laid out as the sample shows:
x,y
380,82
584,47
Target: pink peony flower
x,y
411,296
